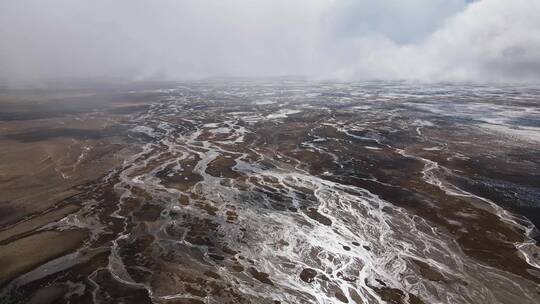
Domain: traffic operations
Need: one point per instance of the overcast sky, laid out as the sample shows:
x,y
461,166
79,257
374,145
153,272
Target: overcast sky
x,y
427,40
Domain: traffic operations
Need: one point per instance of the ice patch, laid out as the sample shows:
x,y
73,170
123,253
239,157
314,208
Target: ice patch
x,y
145,130
282,113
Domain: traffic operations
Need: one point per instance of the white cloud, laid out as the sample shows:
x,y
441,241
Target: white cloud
x,y
401,21
492,40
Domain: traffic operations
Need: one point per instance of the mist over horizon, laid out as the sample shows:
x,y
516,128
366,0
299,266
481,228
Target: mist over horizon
x,y
343,40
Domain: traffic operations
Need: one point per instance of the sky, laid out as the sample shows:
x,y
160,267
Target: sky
x,y
137,40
